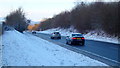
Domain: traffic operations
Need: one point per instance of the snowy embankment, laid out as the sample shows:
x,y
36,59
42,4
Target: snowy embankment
x,y
28,50
0,51
0,44
93,35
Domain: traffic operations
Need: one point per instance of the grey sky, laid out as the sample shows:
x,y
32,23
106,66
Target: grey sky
x,y
37,9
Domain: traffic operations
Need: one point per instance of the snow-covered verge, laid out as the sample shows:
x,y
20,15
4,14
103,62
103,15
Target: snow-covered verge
x,y
0,43
0,51
63,32
101,37
93,35
28,50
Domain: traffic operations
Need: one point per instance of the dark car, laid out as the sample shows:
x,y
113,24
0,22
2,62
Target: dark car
x,y
33,32
56,35
75,38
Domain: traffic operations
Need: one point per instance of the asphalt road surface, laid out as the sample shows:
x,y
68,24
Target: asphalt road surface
x,y
108,53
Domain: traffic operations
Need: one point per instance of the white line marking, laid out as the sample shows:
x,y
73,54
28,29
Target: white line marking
x,y
95,54
98,55
91,53
114,48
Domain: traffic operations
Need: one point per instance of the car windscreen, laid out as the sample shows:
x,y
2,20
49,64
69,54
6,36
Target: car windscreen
x,y
77,35
56,33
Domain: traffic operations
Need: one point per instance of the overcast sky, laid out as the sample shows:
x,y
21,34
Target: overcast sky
x,y
37,9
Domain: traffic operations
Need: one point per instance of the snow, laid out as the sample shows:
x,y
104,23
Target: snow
x,y
101,37
28,50
0,51
2,19
93,35
63,32
0,42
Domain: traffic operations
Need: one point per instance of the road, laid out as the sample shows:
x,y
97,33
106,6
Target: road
x,y
102,51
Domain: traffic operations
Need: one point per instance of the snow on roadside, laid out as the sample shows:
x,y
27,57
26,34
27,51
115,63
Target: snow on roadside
x,y
0,42
28,50
64,32
0,51
103,37
93,35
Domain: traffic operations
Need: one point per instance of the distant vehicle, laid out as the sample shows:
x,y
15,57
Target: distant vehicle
x,y
33,32
56,35
75,38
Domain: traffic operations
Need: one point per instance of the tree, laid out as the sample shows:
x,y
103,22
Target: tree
x,y
85,17
17,20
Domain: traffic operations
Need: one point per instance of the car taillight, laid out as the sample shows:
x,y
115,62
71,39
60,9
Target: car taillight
x,y
83,38
74,38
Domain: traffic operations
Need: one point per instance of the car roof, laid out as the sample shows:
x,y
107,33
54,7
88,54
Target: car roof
x,y
56,31
76,33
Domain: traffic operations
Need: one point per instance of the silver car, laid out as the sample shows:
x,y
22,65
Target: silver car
x,y
56,35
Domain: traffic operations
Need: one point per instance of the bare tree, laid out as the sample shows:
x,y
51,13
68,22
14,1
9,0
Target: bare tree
x,y
17,20
86,17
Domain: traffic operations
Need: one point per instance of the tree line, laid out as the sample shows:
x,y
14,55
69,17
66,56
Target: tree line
x,y
17,20
86,17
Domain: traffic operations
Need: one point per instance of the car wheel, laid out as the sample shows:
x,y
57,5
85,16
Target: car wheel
x,y
69,43
51,37
59,37
66,42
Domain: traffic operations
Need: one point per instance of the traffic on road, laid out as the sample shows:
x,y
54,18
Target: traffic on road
x,y
108,51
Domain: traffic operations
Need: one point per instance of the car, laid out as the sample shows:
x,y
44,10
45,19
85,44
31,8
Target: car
x,y
33,32
75,38
56,35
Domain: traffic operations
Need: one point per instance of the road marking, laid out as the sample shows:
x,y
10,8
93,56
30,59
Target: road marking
x,y
58,43
98,55
114,48
93,54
